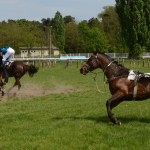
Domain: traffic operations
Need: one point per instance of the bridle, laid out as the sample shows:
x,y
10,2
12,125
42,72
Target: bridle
x,y
88,66
88,69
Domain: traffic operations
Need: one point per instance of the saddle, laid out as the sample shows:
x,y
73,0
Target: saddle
x,y
135,76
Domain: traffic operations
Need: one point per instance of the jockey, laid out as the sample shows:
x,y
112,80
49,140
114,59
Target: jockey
x,y
8,55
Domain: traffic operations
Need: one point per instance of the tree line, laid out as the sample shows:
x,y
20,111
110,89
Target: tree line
x,y
122,28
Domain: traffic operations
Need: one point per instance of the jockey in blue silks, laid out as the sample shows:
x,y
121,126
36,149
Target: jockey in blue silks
x,y
8,55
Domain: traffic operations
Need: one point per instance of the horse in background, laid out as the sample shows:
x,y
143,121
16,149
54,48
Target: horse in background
x,y
18,69
1,72
121,87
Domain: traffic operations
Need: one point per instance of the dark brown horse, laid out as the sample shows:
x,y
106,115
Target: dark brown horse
x,y
120,86
1,72
17,69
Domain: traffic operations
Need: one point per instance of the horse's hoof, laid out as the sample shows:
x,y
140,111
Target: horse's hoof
x,y
119,123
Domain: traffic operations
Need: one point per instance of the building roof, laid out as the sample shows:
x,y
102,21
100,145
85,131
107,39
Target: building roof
x,y
38,48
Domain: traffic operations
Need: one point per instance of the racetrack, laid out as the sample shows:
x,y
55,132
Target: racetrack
x,y
32,90
61,109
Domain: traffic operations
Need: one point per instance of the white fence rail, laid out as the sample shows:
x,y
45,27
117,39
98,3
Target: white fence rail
x,y
77,56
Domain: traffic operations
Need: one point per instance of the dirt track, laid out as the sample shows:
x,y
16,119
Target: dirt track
x,y
30,90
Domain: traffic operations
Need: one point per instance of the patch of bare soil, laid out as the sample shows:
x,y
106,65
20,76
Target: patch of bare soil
x,y
31,90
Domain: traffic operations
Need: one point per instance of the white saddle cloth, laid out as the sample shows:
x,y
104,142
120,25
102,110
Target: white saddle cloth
x,y
132,75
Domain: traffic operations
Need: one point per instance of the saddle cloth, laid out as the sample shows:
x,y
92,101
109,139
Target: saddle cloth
x,y
133,74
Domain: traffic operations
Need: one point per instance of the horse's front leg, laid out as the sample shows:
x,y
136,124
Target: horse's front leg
x,y
11,87
18,83
2,90
111,103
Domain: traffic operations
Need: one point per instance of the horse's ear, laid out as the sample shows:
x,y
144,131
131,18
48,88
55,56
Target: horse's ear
x,y
96,52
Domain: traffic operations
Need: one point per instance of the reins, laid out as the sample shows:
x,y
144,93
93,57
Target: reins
x,y
95,75
94,78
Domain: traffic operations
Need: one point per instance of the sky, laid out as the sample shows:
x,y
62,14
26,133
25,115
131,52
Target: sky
x,y
39,9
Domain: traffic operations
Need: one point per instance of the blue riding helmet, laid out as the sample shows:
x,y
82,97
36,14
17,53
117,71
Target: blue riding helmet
x,y
4,50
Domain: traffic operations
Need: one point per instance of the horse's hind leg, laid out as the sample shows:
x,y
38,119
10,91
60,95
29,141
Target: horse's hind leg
x,y
11,88
15,84
1,85
110,104
19,85
2,91
2,88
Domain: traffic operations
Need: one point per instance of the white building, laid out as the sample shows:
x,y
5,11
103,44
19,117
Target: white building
x,y
39,52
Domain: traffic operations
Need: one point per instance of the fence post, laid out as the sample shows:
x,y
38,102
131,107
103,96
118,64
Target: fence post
x,y
143,62
66,63
130,62
148,63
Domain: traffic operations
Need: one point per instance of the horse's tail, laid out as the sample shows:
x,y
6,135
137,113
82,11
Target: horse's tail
x,y
32,70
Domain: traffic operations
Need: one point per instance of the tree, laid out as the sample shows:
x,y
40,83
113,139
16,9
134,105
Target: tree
x,y
133,16
20,33
58,31
112,29
72,38
94,22
68,19
147,16
92,38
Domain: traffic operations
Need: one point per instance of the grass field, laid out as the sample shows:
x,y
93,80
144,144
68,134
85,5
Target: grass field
x,y
74,119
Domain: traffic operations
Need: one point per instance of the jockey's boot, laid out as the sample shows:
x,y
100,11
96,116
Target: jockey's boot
x,y
6,76
5,80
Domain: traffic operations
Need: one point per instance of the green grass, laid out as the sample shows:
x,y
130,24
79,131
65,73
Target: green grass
x,y
71,121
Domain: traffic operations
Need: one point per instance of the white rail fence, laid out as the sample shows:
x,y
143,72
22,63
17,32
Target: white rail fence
x,y
76,56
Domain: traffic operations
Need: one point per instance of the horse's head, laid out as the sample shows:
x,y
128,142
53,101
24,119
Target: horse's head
x,y
32,70
91,64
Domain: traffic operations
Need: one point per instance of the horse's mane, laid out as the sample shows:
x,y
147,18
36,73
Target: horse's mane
x,y
107,56
121,69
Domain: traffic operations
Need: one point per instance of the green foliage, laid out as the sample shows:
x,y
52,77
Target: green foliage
x,y
58,30
21,33
72,38
69,19
103,33
92,38
135,25
112,29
